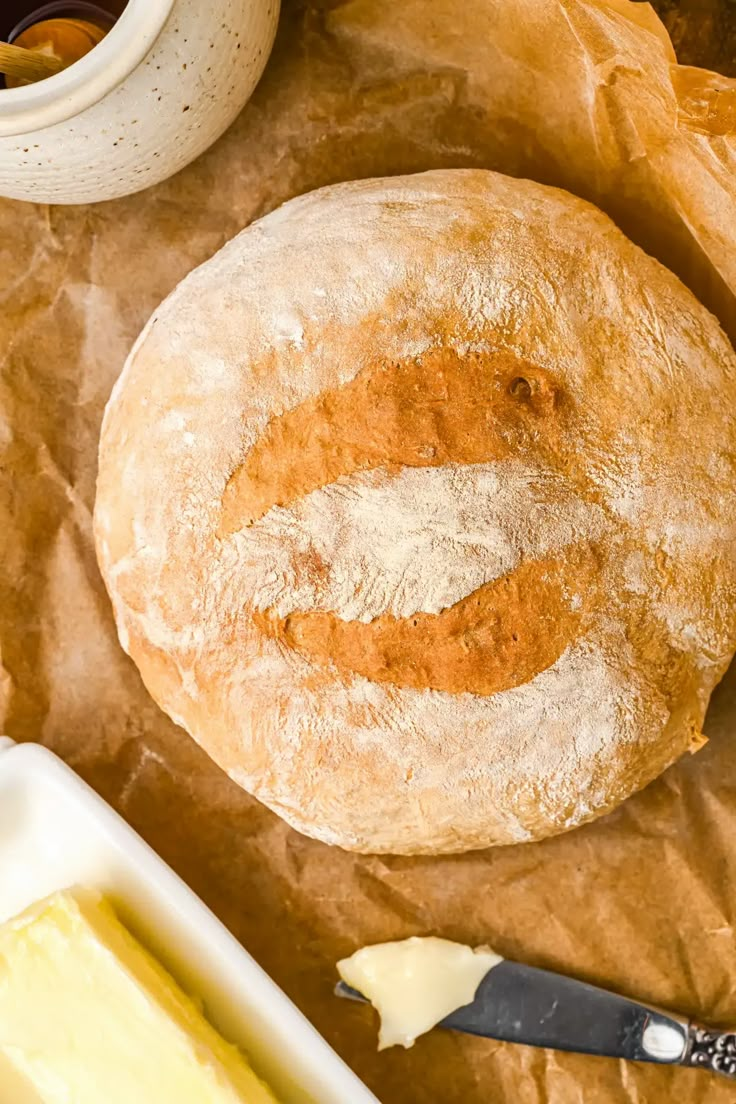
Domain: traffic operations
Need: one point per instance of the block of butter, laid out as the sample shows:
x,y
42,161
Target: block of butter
x,y
88,1016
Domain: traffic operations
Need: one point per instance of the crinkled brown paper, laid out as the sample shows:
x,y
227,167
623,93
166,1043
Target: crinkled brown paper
x,y
582,93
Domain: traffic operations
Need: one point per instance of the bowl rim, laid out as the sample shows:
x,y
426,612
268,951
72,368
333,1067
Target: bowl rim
x,y
36,106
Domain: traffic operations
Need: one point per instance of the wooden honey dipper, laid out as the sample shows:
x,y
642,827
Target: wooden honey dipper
x,y
46,48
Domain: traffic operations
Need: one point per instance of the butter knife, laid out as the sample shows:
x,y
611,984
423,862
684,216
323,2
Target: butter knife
x,y
523,1004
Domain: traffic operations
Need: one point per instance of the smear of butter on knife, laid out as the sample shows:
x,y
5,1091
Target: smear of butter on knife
x,y
414,983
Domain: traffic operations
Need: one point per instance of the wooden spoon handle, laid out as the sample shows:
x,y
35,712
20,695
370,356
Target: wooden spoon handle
x,y
28,65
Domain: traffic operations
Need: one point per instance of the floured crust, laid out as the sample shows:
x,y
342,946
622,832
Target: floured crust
x,y
416,509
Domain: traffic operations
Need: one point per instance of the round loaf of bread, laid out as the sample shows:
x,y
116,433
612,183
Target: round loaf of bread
x,y
416,508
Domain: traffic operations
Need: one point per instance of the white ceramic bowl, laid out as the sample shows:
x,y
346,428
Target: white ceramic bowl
x,y
165,82
55,832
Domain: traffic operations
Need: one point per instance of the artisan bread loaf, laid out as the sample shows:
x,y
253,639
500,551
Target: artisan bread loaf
x,y
416,509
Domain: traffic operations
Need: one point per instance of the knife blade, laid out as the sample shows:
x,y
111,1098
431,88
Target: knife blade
x,y
517,1003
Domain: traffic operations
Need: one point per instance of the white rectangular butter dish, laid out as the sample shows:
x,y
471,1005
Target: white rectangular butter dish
x,y
56,832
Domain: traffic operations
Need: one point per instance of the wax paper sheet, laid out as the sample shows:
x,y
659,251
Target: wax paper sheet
x,y
582,93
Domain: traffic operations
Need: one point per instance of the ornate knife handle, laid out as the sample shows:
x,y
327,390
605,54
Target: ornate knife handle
x,y
711,1050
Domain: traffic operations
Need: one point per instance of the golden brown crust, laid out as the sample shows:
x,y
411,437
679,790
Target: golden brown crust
x,y
436,409
501,635
416,509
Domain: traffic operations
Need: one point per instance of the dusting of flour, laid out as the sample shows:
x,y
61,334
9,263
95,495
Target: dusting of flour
x,y
418,540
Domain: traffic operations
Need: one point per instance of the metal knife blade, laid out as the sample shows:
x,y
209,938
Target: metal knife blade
x,y
523,1004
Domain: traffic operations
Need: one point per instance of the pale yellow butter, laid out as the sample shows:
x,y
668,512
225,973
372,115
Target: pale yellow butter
x,y
414,983
87,1016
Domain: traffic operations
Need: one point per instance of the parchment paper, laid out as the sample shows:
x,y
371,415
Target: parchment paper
x,y
582,93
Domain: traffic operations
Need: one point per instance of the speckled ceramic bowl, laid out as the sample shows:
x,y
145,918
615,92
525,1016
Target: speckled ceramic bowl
x,y
166,81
